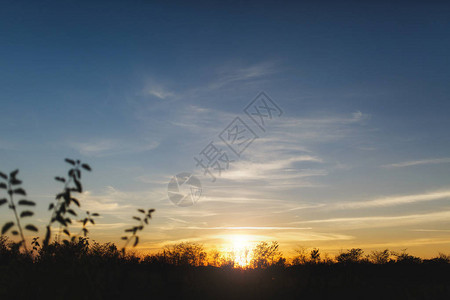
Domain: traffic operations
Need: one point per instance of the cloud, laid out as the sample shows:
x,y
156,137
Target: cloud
x,y
246,228
431,161
158,90
108,147
381,221
394,200
358,116
231,74
110,200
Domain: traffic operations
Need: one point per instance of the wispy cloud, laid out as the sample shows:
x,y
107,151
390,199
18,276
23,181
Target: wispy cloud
x,y
394,200
158,90
237,74
247,228
431,161
108,147
382,221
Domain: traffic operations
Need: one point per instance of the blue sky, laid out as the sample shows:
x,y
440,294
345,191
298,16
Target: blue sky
x,y
360,156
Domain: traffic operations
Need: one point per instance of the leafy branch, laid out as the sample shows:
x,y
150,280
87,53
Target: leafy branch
x,y
143,220
61,208
88,219
12,185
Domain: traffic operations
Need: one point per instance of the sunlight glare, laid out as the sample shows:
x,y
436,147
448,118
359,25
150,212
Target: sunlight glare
x,y
240,249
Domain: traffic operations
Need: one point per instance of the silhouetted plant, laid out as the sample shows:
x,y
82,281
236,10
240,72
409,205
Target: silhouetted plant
x,y
441,259
88,219
315,255
265,254
143,220
353,255
406,258
185,254
301,257
61,208
12,184
380,257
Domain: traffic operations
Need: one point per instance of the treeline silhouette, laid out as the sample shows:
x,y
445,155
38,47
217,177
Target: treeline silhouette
x,y
69,265
85,269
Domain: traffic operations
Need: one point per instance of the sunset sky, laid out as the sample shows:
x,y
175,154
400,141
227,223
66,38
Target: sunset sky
x,y
359,157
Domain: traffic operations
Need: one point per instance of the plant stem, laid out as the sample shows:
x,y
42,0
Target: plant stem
x,y
56,207
10,192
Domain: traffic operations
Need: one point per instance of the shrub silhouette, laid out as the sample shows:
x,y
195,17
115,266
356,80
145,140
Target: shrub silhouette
x,y
353,255
380,257
266,254
185,254
405,258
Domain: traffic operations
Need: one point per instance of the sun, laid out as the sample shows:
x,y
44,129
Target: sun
x,y
240,249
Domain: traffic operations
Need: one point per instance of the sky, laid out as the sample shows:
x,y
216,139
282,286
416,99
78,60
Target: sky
x,y
356,156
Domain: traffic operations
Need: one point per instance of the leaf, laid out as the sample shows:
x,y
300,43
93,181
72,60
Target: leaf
x,y
60,220
151,210
72,162
7,226
95,215
124,238
66,232
2,185
15,181
26,213
75,201
20,191
129,230
137,218
86,167
14,173
3,175
60,179
72,212
31,228
136,241
51,206
146,221
26,202
92,221
3,201
141,211
15,232
85,221
78,172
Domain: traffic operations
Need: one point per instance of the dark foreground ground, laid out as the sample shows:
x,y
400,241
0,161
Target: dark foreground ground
x,y
20,280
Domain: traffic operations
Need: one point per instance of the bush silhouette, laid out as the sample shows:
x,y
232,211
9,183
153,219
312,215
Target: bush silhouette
x,y
353,255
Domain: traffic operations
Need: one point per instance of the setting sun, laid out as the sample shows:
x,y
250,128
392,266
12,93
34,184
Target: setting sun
x,y
225,149
239,249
